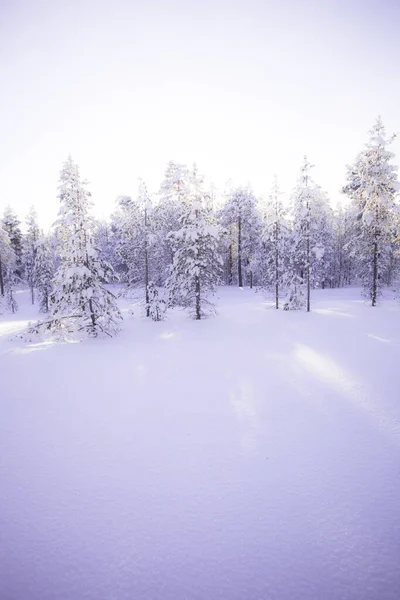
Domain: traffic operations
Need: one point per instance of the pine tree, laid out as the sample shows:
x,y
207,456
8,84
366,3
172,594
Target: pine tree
x,y
310,236
166,217
196,265
156,306
6,257
7,273
79,299
274,242
136,241
240,219
30,244
372,185
11,225
43,273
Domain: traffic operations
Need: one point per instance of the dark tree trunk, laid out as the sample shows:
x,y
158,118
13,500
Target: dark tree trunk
x,y
230,266
146,280
1,280
251,280
146,266
92,315
240,277
33,294
375,274
276,276
308,274
197,288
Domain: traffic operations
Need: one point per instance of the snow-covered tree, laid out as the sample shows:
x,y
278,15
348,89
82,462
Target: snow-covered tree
x,y
7,257
105,242
136,241
11,225
240,219
166,217
79,300
30,244
372,186
342,261
310,235
156,306
8,277
295,299
196,267
274,242
43,273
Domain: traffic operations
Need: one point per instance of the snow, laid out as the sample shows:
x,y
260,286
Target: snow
x,y
251,456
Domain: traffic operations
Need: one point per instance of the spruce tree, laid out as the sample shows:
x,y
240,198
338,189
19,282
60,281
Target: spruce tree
x,y
274,242
372,186
241,221
80,301
12,226
30,247
310,236
196,267
43,273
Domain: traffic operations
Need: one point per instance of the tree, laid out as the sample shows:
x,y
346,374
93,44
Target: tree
x,y
196,266
43,273
240,219
7,273
79,299
309,236
30,246
155,306
372,185
274,242
6,257
166,217
136,241
11,225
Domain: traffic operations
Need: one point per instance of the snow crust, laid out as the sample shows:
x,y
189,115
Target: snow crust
x,y
253,456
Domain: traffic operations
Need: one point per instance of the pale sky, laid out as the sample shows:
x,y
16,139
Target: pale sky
x,y
244,89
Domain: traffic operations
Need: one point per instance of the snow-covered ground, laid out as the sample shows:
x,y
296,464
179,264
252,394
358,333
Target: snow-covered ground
x,y
253,456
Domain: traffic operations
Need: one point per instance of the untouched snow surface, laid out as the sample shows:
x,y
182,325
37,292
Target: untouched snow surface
x,y
253,456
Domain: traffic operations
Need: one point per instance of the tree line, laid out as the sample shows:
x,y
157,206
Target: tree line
x,y
178,246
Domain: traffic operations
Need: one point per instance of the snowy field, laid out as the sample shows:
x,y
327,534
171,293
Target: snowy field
x,y
254,456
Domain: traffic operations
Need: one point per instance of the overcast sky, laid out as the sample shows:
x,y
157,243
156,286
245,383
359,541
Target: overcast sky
x,y
245,89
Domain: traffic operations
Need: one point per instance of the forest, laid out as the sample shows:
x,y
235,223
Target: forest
x,y
178,245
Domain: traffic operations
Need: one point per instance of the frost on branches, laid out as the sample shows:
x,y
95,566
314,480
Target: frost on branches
x,y
310,240
8,277
30,248
79,301
196,267
136,244
43,273
241,222
274,235
372,185
156,306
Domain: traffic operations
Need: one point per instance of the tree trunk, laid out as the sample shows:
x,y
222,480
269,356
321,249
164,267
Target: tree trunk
x,y
251,280
33,294
308,273
92,315
197,287
375,274
146,265
146,280
240,278
276,276
1,280
230,266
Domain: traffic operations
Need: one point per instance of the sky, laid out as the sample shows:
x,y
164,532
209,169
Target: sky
x,y
243,88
